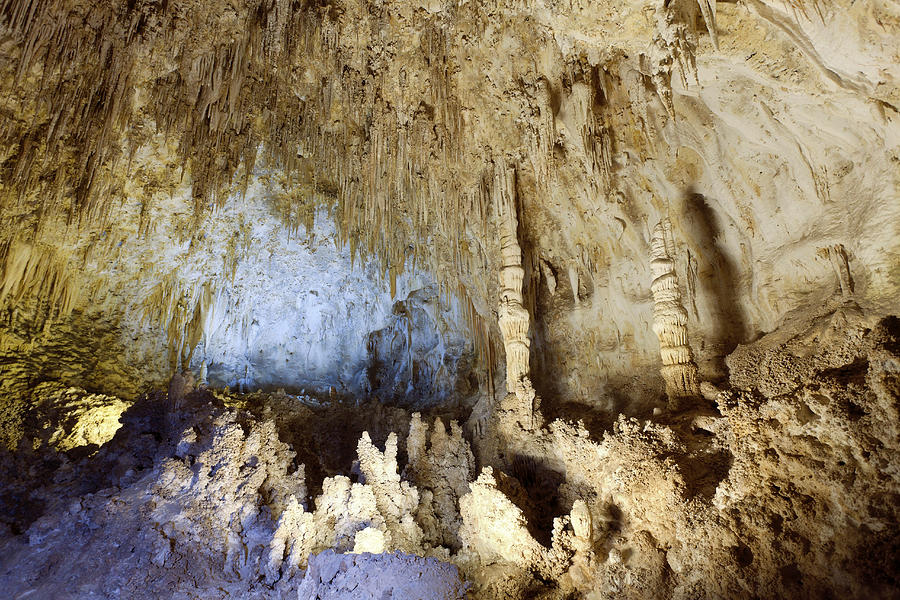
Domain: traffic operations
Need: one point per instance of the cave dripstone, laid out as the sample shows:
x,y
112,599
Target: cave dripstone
x,y
485,299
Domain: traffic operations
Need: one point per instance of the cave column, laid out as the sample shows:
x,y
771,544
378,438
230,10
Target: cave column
x,y
513,316
670,319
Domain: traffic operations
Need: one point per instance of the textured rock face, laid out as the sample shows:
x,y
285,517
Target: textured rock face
x,y
774,494
260,304
450,207
762,138
335,577
62,418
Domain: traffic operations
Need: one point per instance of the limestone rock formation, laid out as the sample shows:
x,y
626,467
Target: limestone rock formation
x,y
757,499
494,528
373,577
670,319
265,144
838,257
513,317
62,417
443,472
259,259
520,403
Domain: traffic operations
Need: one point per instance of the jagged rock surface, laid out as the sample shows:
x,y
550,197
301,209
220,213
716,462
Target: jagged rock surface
x,y
745,123
778,493
319,197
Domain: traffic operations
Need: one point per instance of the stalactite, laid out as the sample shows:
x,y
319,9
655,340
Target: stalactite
x,y
708,10
573,282
31,271
279,81
670,319
226,97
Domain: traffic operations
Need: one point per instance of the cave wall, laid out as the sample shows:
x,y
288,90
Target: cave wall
x,y
286,194
764,141
259,302
258,293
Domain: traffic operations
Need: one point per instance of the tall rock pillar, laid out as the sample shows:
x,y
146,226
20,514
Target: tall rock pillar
x,y
520,404
670,319
514,318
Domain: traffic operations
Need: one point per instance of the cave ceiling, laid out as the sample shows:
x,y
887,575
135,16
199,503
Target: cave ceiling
x,y
151,151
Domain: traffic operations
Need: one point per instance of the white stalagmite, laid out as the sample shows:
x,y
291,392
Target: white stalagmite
x,y
670,319
520,406
514,318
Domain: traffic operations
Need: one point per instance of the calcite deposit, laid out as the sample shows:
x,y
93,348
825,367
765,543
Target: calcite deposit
x,y
679,370
513,319
768,493
485,299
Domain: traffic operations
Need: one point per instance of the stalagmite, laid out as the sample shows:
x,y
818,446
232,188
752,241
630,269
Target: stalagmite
x,y
514,318
286,245
839,262
670,319
204,372
521,402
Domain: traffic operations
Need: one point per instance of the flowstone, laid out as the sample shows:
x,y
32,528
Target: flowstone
x,y
355,203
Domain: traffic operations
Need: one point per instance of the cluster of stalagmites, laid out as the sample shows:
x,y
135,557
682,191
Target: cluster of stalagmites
x,y
785,492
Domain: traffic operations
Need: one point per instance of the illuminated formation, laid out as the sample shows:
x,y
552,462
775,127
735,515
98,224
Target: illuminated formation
x,y
521,402
349,299
670,319
514,319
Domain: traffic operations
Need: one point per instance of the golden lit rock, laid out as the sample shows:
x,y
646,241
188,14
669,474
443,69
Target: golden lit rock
x,y
426,299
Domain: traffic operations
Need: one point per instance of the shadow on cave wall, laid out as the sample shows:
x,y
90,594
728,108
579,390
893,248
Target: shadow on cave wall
x,y
570,389
534,488
718,279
